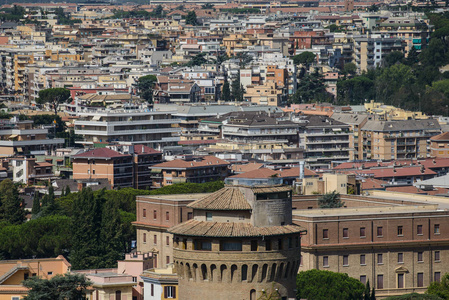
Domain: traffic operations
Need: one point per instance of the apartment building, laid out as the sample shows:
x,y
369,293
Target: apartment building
x,y
154,215
356,121
404,139
148,127
104,163
21,137
191,169
370,51
399,245
268,93
325,140
439,145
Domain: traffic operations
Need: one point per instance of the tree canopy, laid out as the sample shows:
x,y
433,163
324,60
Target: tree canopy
x,y
191,18
304,58
440,289
330,200
323,285
145,85
54,97
59,287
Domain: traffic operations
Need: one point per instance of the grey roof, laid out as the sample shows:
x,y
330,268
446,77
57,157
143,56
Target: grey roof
x,y
403,125
441,182
352,119
322,121
211,110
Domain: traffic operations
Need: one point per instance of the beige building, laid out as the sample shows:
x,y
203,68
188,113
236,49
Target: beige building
x,y
399,245
240,242
265,94
439,145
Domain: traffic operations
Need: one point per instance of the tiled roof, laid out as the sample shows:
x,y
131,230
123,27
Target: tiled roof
x,y
266,173
100,153
227,198
183,164
142,149
441,137
274,189
246,167
218,229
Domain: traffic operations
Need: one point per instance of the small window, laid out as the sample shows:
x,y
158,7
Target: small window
x,y
400,233
268,245
167,240
380,260
50,273
169,292
155,214
420,257
152,289
419,230
380,231
325,233
420,280
155,239
436,229
208,216
345,260
380,282
167,216
345,232
189,215
144,238
167,259
437,277
254,245
362,232
325,261
363,279
437,255
362,260
400,258
401,281
144,213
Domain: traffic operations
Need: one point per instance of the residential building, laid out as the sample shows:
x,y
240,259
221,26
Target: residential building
x,y
387,140
439,145
236,246
136,126
191,169
13,272
160,283
268,93
105,163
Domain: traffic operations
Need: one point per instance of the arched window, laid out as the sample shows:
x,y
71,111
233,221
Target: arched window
x,y
204,272
213,272
264,272
273,272
244,272
223,273
252,295
254,273
287,269
281,269
195,272
233,273
188,272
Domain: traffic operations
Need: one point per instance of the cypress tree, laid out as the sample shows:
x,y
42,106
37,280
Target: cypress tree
x,y
12,206
36,204
226,93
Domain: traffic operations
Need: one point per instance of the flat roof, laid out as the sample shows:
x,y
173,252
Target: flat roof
x,y
175,197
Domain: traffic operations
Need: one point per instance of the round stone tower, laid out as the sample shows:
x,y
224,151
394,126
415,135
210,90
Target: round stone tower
x,y
240,243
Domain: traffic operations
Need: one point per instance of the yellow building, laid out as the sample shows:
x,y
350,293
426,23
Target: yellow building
x,y
341,183
160,284
238,41
20,63
264,94
389,112
13,272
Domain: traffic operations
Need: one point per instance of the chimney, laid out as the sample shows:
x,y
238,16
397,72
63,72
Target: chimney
x,y
422,169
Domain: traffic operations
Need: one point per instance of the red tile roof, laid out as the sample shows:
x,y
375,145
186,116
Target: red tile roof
x,y
393,172
246,167
204,161
441,137
227,198
100,153
142,149
266,173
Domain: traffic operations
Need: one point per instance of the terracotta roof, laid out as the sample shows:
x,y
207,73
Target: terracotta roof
x,y
218,229
441,137
246,167
294,172
227,198
274,189
142,149
205,161
100,153
371,183
265,173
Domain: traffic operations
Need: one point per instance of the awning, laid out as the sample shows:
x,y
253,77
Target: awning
x,y
19,149
13,136
336,129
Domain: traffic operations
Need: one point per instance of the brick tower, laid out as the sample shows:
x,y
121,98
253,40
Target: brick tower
x,y
240,243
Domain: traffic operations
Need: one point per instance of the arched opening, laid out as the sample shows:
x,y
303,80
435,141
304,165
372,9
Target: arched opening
x,y
234,273
295,268
264,272
180,269
252,294
213,272
118,295
204,272
244,272
287,269
195,272
223,273
273,272
254,272
188,271
281,269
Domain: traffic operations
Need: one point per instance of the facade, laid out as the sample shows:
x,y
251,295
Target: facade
x,y
439,145
387,140
240,242
13,272
155,214
399,245
105,163
150,128
160,283
195,169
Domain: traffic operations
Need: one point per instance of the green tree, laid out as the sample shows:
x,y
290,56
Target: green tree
x,y
244,59
54,96
197,60
111,233
237,90
441,288
311,88
12,208
349,69
330,200
412,57
59,287
158,11
67,191
355,90
395,57
191,18
324,285
36,204
145,85
304,58
226,92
